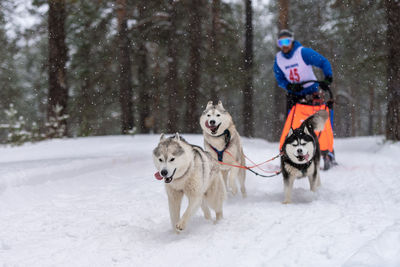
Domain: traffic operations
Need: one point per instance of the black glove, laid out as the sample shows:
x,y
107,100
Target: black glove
x,y
294,87
328,79
330,103
325,83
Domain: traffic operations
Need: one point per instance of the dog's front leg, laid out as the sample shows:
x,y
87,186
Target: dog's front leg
x,y
233,173
174,203
288,184
314,179
194,204
206,210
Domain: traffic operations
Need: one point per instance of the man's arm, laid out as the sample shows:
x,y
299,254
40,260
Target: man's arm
x,y
280,76
313,58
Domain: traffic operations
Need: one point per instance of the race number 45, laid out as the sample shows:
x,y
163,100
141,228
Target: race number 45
x,y
294,75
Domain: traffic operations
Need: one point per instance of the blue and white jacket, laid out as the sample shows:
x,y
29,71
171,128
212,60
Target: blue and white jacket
x,y
310,57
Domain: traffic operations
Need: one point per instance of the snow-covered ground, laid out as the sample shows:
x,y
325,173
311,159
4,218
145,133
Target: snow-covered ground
x,y
95,202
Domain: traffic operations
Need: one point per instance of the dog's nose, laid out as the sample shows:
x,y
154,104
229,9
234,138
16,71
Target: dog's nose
x,y
212,122
300,151
164,172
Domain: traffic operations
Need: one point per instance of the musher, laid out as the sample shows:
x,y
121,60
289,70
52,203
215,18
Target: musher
x,y
292,67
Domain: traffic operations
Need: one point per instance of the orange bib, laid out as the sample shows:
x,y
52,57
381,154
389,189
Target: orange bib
x,y
300,113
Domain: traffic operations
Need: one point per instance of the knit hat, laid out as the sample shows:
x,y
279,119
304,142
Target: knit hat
x,y
285,32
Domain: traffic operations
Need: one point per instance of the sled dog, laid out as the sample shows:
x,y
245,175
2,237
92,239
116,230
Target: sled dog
x,y
222,140
301,154
188,170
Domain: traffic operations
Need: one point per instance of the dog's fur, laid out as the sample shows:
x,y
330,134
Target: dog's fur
x,y
220,133
189,170
301,154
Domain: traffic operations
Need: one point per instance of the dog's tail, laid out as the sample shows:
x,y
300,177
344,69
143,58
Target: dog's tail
x,y
317,121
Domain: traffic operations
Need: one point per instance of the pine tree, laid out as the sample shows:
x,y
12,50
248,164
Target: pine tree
x,y
58,90
56,125
125,74
248,72
16,127
194,67
172,86
393,80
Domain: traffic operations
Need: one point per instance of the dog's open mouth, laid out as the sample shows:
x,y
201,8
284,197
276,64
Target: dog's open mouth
x,y
213,128
302,157
169,179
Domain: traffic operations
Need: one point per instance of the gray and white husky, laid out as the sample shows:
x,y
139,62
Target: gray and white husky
x,y
301,154
222,140
188,170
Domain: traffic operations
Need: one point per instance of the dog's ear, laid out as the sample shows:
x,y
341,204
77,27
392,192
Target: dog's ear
x,y
162,136
220,105
306,131
209,104
177,137
290,132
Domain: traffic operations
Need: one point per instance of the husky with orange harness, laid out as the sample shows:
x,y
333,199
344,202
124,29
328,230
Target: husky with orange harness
x,y
301,153
222,140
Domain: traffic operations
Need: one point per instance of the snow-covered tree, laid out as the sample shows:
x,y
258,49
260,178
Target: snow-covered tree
x,y
16,127
56,126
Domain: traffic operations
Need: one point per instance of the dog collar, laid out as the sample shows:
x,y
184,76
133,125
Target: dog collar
x,y
303,166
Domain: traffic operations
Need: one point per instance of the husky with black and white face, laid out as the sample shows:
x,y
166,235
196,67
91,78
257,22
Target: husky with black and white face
x,y
188,170
301,154
222,141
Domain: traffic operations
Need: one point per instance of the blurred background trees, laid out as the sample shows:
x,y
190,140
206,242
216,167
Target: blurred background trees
x,y
151,66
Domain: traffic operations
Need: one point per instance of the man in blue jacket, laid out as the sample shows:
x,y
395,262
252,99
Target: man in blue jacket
x,y
293,65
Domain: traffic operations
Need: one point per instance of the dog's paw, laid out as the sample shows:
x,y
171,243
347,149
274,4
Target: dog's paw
x,y
180,226
286,202
233,190
218,216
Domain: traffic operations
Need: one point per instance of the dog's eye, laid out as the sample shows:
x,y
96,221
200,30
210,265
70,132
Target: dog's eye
x,y
160,160
208,115
172,159
218,115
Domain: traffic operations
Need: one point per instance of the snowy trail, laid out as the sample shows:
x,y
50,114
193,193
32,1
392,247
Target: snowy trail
x,y
94,202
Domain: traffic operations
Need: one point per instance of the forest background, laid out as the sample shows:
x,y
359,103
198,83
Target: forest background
x,y
82,68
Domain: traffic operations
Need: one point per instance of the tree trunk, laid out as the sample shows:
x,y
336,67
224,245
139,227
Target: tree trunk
x,y
145,91
215,25
283,19
371,126
193,82
172,78
144,95
58,90
279,101
248,72
125,75
393,71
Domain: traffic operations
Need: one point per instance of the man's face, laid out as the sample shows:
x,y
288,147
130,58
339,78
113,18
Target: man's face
x,y
285,44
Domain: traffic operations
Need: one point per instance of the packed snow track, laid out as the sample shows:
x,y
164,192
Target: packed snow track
x,y
95,202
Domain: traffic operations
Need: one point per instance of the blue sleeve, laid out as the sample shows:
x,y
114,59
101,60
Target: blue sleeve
x,y
280,76
311,57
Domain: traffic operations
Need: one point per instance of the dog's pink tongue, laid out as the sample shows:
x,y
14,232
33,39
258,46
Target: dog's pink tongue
x,y
158,176
209,126
306,156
